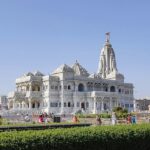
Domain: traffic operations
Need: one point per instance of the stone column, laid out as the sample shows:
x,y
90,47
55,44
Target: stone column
x,y
30,104
8,105
102,104
19,106
48,106
30,87
14,105
108,88
117,102
25,106
75,97
75,104
95,109
62,97
36,105
93,87
110,104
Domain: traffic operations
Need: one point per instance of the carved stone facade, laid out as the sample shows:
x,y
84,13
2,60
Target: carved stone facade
x,y
3,103
70,89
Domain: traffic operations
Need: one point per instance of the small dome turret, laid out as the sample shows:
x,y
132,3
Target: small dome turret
x,y
79,70
63,68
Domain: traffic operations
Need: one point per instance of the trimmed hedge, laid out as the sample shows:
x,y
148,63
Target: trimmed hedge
x,y
125,137
102,115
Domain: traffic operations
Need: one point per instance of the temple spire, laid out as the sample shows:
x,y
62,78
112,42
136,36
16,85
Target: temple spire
x,y
107,62
107,36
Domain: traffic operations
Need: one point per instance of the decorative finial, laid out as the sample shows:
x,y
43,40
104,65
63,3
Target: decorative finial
x,y
107,36
76,61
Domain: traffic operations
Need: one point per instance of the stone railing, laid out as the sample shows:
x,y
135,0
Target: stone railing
x,y
103,93
31,94
24,111
81,93
16,94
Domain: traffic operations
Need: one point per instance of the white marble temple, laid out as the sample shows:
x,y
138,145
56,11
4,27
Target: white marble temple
x,y
71,88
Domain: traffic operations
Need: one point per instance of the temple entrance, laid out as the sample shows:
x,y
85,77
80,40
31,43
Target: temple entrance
x,y
105,106
81,87
33,105
83,105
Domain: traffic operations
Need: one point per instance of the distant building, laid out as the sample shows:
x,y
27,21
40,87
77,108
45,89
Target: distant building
x,y
142,104
3,103
70,89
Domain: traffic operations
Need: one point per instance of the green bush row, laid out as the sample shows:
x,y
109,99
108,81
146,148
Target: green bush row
x,y
102,115
127,137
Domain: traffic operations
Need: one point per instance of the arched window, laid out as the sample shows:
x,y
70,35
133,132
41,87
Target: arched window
x,y
81,87
38,88
38,105
56,87
119,90
33,88
33,105
69,87
69,104
83,105
65,104
112,89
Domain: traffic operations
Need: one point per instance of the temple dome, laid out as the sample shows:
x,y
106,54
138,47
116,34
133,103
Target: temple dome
x,y
79,70
38,73
120,77
29,74
62,68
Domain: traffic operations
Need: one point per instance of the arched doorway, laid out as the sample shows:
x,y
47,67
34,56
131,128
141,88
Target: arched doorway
x,y
81,87
112,89
83,105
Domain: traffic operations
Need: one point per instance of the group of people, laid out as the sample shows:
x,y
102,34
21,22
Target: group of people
x,y
131,119
45,118
41,118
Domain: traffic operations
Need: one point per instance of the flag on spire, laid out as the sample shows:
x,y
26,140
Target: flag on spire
x,y
107,36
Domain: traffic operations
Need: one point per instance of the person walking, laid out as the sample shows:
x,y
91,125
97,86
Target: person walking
x,y
113,118
133,119
27,118
129,119
75,119
98,120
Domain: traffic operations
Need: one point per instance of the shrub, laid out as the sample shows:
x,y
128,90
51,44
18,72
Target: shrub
x,y
102,115
105,115
1,121
120,112
125,137
86,115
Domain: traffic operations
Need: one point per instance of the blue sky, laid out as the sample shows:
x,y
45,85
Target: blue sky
x,y
43,34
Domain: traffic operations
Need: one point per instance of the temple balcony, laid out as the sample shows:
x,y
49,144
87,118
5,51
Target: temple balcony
x,y
96,94
33,94
103,93
16,94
